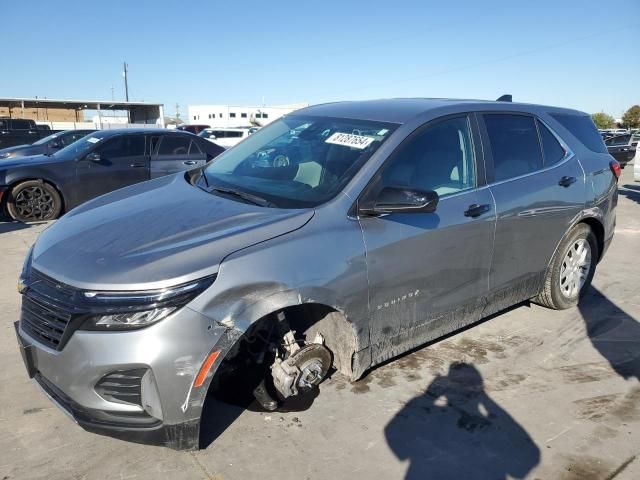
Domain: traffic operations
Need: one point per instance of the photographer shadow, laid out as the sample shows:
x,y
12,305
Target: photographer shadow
x,y
455,430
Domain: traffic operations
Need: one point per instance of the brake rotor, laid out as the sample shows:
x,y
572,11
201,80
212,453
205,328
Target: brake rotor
x,y
313,361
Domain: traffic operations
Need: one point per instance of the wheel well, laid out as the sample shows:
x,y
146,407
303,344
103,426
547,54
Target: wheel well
x,y
51,184
252,355
598,231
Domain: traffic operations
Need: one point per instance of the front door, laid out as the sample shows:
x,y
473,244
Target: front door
x,y
122,161
428,272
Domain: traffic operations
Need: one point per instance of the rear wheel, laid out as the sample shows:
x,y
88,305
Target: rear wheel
x,y
34,201
571,269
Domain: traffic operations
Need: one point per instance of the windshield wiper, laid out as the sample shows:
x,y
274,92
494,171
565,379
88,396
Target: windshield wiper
x,y
256,200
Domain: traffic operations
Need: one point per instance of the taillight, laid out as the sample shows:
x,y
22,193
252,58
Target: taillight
x,y
615,168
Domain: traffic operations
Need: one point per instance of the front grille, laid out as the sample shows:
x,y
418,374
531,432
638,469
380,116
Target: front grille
x,y
49,310
44,322
122,386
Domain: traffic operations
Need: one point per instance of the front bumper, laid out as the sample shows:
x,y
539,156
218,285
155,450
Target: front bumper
x,y
173,351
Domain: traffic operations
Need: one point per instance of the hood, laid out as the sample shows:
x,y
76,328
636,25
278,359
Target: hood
x,y
154,234
27,160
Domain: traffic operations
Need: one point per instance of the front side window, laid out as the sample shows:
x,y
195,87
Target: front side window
x,y
298,161
553,151
123,146
514,145
438,158
173,145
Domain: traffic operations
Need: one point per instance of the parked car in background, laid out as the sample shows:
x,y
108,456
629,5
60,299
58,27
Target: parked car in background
x,y
20,131
636,167
226,137
45,146
195,129
44,186
621,148
340,235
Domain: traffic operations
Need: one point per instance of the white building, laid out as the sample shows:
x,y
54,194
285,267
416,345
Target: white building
x,y
237,115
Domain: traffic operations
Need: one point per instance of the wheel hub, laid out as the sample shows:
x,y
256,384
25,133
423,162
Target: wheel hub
x,y
575,268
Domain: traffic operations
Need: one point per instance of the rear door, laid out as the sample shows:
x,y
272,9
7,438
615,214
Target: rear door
x,y
175,153
538,194
123,161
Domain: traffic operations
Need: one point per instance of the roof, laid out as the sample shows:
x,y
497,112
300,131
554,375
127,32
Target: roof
x,y
80,104
401,110
116,131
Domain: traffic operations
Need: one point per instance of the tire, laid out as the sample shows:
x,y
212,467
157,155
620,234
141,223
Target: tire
x,y
34,201
571,270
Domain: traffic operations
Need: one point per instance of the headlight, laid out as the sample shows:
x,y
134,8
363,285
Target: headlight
x,y
129,310
5,155
24,274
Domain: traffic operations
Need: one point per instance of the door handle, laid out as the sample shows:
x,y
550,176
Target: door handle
x,y
476,210
566,181
137,165
189,162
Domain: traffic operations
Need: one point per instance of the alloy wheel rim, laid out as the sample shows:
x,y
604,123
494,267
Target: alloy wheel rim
x,y
575,268
34,203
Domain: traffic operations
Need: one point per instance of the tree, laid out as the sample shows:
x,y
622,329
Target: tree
x,y
631,118
602,120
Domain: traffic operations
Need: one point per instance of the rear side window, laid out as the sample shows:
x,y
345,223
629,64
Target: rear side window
x,y
619,140
553,151
174,145
514,145
582,127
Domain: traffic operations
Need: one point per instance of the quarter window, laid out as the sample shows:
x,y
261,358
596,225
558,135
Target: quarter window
x,y
514,145
439,158
582,127
553,151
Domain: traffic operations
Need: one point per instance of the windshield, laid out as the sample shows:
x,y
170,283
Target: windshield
x,y
82,146
44,140
298,162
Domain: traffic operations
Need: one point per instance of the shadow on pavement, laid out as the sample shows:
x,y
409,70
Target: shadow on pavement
x,y
6,227
456,431
632,192
614,333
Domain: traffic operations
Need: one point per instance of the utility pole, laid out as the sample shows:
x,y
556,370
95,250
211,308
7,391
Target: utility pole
x,y
126,83
112,97
177,111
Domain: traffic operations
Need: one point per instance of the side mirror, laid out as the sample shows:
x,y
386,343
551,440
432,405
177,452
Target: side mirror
x,y
396,199
94,157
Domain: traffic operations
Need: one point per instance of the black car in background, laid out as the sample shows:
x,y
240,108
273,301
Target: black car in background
x,y
20,131
622,147
45,146
42,187
195,129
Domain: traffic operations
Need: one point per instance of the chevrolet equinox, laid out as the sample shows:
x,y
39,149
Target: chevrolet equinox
x,y
339,236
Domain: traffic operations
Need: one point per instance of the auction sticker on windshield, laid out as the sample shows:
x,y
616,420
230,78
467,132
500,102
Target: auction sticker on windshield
x,y
93,140
350,140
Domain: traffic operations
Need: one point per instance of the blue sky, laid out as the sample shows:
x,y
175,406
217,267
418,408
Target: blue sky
x,y
569,53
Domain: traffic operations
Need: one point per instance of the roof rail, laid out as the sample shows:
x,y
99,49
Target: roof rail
x,y
505,98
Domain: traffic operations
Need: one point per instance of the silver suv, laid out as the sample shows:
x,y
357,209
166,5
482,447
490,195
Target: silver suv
x,y
339,236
